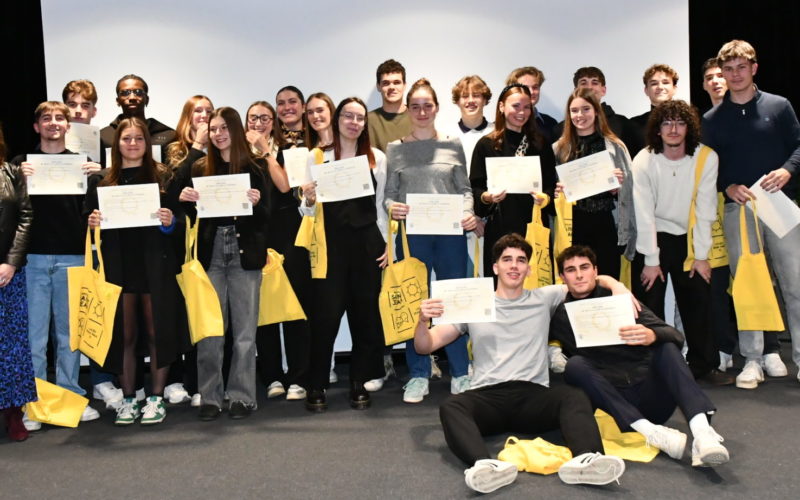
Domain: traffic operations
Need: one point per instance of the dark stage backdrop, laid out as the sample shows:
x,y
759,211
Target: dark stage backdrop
x,y
770,25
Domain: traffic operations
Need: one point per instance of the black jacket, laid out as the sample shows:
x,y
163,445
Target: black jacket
x,y
16,215
622,365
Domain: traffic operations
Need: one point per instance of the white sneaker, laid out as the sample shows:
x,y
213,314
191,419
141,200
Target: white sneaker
x,y
373,385
592,468
751,375
154,411
295,393
415,390
488,475
558,362
30,425
197,400
436,372
670,441
275,390
773,365
176,393
459,384
725,361
109,394
333,378
89,414
140,395
707,450
388,367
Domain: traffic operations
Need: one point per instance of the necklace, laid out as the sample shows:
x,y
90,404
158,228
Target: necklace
x,y
435,136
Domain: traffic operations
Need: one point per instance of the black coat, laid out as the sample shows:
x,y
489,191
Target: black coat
x,y
163,255
15,216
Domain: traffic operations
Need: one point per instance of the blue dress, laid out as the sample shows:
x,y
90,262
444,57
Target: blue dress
x,y
17,385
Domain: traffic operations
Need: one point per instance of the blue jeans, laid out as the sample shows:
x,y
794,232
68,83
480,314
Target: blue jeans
x,y
447,256
46,280
238,290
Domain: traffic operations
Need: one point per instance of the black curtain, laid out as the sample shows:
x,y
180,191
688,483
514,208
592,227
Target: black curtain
x,y
24,85
771,27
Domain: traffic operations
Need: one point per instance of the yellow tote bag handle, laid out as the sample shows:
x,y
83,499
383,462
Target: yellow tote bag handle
x,y
743,230
698,173
191,240
476,265
100,270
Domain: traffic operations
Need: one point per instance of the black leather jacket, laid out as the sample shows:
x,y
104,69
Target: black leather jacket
x,y
16,215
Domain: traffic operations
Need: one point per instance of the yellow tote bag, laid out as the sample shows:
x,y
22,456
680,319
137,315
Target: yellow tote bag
x,y
92,305
753,296
534,455
311,235
718,253
404,287
539,238
56,405
277,302
563,230
625,272
625,445
203,309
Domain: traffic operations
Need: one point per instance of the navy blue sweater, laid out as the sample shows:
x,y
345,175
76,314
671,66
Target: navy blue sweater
x,y
753,139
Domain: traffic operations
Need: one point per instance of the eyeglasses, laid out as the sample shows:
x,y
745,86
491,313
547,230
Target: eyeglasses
x,y
136,92
259,118
668,124
352,117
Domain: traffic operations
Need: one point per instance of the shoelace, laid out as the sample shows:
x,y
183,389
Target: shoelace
x,y
415,384
150,408
125,408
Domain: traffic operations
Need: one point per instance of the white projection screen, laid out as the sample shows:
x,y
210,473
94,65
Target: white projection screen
x,y
245,50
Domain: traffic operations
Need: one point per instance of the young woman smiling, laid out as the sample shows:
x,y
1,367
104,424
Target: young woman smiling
x,y
515,134
293,123
191,132
424,162
594,222
144,262
260,129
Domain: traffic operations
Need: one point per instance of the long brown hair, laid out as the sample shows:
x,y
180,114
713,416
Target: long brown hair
x,y
566,148
282,141
363,146
178,150
150,171
529,128
240,149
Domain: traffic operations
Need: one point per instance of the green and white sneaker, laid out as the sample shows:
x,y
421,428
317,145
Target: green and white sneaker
x,y
127,412
154,411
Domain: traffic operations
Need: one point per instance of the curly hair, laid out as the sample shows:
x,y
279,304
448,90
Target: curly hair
x,y
673,110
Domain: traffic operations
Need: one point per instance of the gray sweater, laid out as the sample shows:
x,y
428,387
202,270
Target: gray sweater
x,y
434,166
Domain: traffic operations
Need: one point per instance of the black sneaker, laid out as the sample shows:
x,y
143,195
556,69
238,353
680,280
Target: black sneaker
x,y
239,410
716,377
316,401
209,412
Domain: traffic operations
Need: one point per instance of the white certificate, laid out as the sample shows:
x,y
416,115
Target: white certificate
x,y
84,139
133,205
57,174
588,176
343,179
155,149
434,213
295,162
514,174
596,322
469,300
223,195
775,210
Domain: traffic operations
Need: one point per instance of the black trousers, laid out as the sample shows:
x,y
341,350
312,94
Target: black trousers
x,y
693,296
296,334
517,406
669,384
352,285
598,231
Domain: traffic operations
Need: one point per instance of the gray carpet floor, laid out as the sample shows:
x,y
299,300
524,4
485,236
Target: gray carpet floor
x,y
392,450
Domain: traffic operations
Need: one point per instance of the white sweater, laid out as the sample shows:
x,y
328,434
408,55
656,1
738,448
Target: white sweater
x,y
662,195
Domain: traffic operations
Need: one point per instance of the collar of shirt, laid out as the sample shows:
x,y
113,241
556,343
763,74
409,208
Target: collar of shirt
x,y
466,129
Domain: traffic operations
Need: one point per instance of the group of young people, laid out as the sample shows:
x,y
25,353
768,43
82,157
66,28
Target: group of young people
x,y
659,220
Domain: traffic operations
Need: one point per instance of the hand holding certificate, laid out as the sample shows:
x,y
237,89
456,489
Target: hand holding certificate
x,y
597,322
434,213
223,195
295,161
343,179
134,205
775,210
588,176
57,174
514,174
469,300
